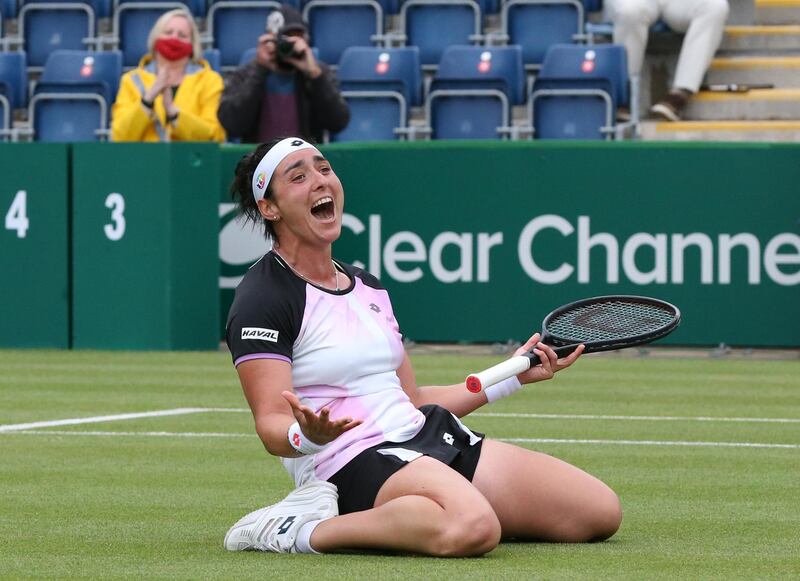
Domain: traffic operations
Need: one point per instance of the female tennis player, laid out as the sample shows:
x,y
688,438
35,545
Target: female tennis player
x,y
380,462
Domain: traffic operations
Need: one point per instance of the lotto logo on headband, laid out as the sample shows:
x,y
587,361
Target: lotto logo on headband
x,y
262,177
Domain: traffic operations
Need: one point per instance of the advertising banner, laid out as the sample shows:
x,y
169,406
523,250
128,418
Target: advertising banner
x,y
476,242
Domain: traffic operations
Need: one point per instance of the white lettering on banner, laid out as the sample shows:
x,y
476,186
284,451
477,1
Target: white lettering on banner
x,y
485,243
375,245
356,226
772,259
680,243
726,244
587,241
17,215
406,257
659,245
404,249
464,244
116,230
392,256
525,249
240,244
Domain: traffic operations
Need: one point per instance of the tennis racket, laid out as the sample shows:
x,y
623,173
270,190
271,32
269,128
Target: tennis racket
x,y
600,323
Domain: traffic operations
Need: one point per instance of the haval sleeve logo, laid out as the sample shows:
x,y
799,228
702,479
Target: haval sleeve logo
x,y
260,334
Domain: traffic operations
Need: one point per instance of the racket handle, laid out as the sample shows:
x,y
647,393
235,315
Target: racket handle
x,y
477,382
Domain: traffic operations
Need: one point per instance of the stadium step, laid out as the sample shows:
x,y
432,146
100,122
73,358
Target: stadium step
x,y
777,12
761,38
788,131
758,104
781,71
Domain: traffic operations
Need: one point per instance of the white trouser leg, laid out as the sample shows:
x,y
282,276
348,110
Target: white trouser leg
x,y
704,23
632,20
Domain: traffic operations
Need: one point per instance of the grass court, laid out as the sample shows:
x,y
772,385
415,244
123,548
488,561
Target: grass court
x,y
133,465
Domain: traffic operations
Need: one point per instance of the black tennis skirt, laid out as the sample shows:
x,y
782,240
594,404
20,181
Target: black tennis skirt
x,y
443,437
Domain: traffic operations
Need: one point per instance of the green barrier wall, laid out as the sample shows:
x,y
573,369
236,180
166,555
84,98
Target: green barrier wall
x,y
145,246
477,242
34,249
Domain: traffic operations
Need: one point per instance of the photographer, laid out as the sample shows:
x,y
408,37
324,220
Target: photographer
x,y
285,90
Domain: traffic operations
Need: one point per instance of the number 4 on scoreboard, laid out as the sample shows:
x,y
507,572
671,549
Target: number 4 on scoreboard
x,y
17,215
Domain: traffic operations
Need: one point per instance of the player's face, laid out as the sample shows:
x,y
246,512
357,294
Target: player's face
x,y
309,199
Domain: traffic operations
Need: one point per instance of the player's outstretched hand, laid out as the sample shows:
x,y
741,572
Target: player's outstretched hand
x,y
318,428
550,364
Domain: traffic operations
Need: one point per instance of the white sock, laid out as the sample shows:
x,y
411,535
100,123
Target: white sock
x,y
303,541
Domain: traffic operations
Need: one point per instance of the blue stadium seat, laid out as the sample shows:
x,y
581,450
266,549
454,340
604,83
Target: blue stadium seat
x,y
247,56
433,25
212,56
490,6
196,7
8,9
72,99
578,91
14,79
390,6
13,90
473,91
335,25
103,8
131,24
379,85
46,26
535,25
234,26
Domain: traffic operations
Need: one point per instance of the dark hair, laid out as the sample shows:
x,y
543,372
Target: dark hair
x,y
241,188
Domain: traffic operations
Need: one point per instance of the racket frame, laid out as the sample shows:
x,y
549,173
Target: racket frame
x,y
476,382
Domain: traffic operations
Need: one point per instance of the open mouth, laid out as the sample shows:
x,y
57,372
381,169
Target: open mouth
x,y
323,209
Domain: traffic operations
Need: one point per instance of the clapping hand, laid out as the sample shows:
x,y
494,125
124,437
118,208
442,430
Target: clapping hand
x,y
166,78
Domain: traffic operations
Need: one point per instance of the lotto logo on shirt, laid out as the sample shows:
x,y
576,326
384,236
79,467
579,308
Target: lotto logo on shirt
x,y
260,334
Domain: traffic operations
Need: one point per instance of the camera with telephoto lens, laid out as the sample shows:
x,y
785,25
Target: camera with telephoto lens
x,y
285,48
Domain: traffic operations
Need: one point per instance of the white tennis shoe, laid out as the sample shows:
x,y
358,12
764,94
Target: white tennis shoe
x,y
274,528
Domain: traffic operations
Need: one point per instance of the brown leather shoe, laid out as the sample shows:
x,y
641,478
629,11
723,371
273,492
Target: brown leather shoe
x,y
672,106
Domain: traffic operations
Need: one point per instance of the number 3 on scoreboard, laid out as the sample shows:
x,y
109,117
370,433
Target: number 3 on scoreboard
x,y
17,215
116,203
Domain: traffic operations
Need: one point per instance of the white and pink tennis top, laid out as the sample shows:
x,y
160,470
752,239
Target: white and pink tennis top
x,y
344,348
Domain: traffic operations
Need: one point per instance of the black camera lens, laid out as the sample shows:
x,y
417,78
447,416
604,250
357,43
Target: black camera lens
x,y
285,48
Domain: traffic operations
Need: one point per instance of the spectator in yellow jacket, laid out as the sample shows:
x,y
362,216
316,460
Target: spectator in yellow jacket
x,y
173,95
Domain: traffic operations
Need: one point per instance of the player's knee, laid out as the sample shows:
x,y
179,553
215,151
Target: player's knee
x,y
602,519
469,535
592,521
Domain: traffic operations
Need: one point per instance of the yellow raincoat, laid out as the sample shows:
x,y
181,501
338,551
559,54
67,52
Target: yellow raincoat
x,y
197,99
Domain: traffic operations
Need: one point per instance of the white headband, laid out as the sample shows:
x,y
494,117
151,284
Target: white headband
x,y
266,167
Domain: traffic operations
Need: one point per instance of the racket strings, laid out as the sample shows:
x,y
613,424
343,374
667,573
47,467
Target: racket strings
x,y
609,321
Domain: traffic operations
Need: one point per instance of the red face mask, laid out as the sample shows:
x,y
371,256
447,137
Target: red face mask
x,y
173,49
